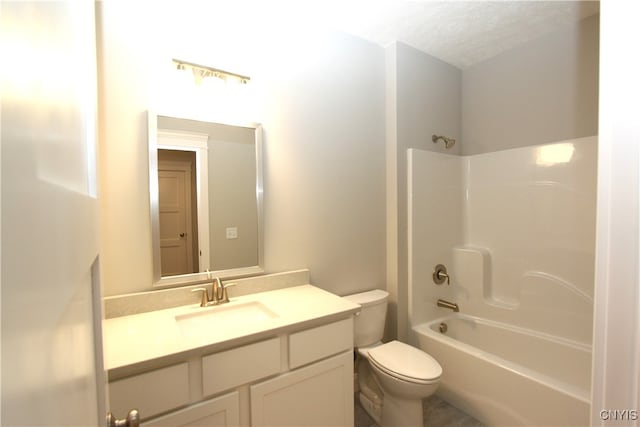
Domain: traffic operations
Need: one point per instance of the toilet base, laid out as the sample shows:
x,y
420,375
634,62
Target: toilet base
x,y
394,412
370,407
401,412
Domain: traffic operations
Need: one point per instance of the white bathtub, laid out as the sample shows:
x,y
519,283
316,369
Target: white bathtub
x,y
505,375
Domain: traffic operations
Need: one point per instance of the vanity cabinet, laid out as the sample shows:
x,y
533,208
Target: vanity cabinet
x,y
320,393
300,376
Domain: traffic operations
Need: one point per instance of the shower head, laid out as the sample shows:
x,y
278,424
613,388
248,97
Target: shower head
x,y
448,142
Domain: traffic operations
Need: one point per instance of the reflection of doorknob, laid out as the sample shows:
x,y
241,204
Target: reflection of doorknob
x,y
132,420
182,235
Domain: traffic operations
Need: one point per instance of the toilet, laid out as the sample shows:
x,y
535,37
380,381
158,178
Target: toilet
x,y
392,378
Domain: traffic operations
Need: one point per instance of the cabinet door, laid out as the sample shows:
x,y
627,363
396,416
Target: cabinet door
x,y
317,395
222,411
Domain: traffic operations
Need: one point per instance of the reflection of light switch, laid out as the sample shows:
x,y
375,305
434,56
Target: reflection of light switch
x,y
232,232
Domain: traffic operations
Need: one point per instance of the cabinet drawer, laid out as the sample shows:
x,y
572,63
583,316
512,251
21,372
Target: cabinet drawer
x,y
218,412
232,368
151,393
317,343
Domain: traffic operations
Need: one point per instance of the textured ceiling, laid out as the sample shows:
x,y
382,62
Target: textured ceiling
x,y
460,33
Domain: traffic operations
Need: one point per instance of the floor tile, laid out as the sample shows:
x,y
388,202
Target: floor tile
x,y
436,413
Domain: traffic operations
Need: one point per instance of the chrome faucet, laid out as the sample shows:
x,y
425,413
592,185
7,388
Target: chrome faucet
x,y
446,304
218,293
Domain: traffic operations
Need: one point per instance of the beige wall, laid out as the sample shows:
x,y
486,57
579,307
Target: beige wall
x,y
320,98
324,171
544,91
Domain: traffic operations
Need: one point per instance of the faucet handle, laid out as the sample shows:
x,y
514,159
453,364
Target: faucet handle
x,y
440,275
225,297
204,300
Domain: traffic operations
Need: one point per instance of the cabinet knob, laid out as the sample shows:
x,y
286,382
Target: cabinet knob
x,y
132,420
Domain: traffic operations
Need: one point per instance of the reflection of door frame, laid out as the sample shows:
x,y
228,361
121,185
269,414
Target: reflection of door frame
x,y
196,142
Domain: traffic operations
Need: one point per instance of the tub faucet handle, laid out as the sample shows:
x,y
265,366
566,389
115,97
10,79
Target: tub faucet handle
x,y
440,275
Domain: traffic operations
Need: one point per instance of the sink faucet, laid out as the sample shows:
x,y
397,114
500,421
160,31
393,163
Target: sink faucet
x,y
446,304
218,293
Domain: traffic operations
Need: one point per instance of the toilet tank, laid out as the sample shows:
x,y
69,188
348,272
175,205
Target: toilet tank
x,y
369,324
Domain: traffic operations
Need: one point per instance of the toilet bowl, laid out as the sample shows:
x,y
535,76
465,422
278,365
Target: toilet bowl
x,y
393,378
406,375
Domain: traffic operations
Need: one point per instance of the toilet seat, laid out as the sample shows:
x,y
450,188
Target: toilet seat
x,y
405,362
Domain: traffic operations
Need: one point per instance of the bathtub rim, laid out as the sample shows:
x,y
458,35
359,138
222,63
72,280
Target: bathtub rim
x,y
516,368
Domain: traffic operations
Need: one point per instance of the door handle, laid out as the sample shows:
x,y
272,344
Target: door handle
x,y
132,420
182,235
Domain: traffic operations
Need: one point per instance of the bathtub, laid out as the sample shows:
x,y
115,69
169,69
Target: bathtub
x,y
505,375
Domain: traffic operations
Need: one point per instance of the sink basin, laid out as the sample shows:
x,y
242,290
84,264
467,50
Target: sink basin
x,y
227,316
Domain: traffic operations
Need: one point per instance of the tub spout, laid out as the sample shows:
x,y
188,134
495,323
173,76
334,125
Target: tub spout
x,y
446,304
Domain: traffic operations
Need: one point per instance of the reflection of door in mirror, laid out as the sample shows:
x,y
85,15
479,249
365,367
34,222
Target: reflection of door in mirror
x,y
178,212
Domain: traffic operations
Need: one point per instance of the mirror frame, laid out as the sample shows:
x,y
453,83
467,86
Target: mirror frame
x,y
194,278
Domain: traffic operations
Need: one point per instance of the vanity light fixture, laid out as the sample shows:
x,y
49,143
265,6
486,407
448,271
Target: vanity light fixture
x,y
200,72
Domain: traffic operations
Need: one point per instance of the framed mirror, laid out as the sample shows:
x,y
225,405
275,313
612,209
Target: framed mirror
x,y
205,185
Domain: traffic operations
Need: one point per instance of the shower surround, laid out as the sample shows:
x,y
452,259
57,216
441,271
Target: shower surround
x,y
516,230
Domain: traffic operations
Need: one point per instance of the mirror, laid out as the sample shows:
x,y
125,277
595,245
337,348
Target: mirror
x,y
205,184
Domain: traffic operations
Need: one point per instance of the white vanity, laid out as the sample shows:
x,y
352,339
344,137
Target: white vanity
x,y
281,357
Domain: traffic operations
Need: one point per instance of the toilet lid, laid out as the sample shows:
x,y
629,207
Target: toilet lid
x,y
405,361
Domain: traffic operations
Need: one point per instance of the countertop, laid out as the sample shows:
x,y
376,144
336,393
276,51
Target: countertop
x,y
134,339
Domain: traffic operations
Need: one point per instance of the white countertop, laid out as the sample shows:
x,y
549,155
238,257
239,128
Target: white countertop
x,y
134,339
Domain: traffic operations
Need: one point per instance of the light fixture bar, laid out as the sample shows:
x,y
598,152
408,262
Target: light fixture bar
x,y
205,71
